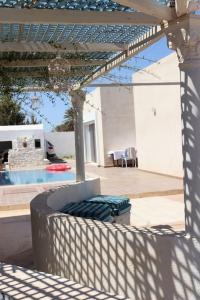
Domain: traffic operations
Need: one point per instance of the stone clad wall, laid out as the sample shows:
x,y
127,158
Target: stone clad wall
x,y
24,154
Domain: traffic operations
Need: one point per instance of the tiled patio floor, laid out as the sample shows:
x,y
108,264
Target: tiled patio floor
x,y
19,197
163,206
159,211
133,182
117,181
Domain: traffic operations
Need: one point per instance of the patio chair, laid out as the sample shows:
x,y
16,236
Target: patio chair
x,y
129,155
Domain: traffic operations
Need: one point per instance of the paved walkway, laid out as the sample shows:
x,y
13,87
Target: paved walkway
x,y
133,182
19,197
161,212
116,181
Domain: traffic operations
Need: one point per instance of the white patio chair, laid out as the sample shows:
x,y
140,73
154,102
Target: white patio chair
x,y
130,154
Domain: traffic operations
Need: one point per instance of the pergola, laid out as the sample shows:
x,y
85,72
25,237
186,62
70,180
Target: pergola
x,y
93,37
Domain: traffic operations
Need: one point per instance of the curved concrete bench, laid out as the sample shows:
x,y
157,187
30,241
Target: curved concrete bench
x,y
138,264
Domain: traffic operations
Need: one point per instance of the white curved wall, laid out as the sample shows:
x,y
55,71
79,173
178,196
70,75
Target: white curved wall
x,y
137,264
74,192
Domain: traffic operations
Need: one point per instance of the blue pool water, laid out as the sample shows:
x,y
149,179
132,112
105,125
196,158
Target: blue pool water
x,y
34,176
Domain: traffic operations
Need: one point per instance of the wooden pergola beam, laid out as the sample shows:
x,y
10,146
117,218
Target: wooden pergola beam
x,y
43,74
151,8
139,45
61,48
66,17
181,7
34,63
95,85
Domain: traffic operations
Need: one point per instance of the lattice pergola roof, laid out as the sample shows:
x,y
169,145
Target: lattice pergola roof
x,y
85,5
71,33
95,35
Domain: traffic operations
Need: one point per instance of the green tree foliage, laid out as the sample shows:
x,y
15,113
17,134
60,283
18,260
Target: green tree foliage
x,y
10,109
10,112
32,120
68,123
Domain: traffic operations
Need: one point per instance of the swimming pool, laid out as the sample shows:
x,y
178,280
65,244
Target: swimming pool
x,y
34,176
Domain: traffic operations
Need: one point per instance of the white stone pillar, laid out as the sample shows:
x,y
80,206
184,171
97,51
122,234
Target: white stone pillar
x,y
184,37
78,98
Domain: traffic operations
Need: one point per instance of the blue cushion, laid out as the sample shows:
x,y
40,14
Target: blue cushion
x,y
101,212
118,204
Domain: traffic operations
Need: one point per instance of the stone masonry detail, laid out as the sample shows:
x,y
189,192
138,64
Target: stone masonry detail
x,y
24,154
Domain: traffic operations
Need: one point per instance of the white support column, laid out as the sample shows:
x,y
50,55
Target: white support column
x,y
78,98
184,37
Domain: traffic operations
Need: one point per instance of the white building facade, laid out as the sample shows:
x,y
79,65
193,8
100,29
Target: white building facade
x,y
108,123
63,142
147,117
10,133
158,117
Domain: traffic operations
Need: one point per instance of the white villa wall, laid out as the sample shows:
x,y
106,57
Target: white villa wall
x,y
158,118
10,133
118,120
64,143
91,115
115,125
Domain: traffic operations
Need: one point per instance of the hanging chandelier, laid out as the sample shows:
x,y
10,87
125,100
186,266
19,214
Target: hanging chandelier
x,y
59,70
35,101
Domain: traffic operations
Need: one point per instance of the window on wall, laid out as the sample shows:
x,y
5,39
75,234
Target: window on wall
x,y
5,145
37,143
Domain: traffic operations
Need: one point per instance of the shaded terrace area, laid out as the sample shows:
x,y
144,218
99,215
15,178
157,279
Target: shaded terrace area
x,y
136,263
20,283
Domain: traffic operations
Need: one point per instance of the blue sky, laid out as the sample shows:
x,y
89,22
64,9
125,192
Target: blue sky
x,y
54,112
